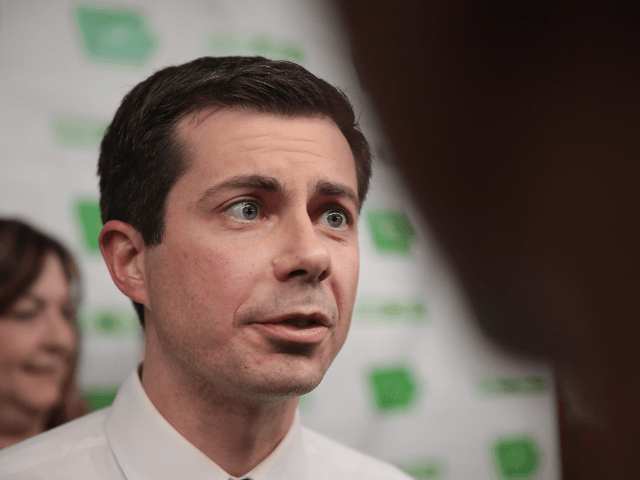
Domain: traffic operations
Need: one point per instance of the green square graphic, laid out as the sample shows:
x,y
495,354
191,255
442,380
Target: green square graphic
x,y
88,217
393,388
97,398
494,386
516,458
109,322
391,310
394,309
391,231
305,402
423,470
115,35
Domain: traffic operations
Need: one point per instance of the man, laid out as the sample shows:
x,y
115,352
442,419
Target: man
x,y
230,191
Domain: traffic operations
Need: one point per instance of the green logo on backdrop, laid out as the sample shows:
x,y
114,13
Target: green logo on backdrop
x,y
305,402
391,310
516,458
422,470
109,323
99,397
77,130
115,35
88,216
512,385
391,231
265,45
393,388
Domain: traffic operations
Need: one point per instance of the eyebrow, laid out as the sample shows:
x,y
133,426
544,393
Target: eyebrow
x,y
41,302
254,182
332,189
273,185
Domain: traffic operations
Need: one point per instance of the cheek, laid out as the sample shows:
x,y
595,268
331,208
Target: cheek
x,y
15,345
227,272
72,345
346,269
218,280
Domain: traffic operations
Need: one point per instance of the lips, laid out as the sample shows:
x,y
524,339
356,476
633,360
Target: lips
x,y
300,323
303,321
299,328
46,368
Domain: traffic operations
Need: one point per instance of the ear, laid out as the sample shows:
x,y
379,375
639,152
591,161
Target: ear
x,y
123,250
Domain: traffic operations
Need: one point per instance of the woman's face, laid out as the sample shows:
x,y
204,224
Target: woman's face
x,y
37,341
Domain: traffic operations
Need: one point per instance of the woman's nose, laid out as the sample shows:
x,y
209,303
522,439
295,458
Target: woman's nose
x,y
60,334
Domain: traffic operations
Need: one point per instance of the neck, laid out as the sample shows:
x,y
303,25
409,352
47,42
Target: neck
x,y
236,434
18,424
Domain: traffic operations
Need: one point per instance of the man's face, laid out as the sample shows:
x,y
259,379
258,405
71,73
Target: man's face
x,y
252,288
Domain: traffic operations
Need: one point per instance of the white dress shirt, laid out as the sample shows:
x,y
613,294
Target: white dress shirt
x,y
131,441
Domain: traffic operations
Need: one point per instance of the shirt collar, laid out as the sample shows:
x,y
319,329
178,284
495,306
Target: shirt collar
x,y
146,446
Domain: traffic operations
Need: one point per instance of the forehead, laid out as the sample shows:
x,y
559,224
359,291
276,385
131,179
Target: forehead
x,y
52,281
223,143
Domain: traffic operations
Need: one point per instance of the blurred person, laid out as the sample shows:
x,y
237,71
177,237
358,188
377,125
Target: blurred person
x,y
516,126
38,334
230,190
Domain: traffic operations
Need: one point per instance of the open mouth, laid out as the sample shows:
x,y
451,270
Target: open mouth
x,y
301,322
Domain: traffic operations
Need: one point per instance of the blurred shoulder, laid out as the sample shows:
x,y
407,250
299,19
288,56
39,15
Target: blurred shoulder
x,y
329,459
73,450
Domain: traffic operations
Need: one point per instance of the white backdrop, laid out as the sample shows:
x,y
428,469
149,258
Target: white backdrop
x,y
416,383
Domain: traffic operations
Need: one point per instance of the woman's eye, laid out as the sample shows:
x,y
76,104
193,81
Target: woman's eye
x,y
244,210
24,315
334,218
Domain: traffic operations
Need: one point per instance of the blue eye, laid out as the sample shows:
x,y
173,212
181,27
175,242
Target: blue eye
x,y
244,210
334,218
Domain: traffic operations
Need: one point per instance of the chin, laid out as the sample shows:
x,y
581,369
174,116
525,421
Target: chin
x,y
42,398
283,387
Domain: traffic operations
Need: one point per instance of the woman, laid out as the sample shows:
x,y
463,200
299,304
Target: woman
x,y
38,333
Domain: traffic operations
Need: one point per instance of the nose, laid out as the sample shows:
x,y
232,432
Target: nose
x,y
302,254
60,336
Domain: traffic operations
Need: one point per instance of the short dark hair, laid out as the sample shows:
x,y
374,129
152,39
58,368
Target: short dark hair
x,y
141,158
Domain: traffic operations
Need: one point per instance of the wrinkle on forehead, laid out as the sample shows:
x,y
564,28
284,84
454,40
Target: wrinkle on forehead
x,y
249,138
269,149
191,122
302,144
195,118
